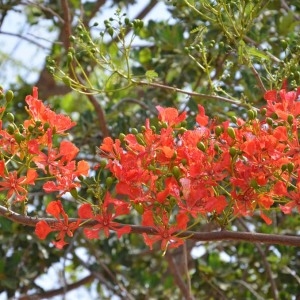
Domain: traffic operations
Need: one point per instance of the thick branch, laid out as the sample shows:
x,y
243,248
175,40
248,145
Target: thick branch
x,y
251,237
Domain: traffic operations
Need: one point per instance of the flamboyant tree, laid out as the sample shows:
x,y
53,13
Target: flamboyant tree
x,y
194,140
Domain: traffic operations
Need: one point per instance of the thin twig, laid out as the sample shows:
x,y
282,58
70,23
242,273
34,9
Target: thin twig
x,y
24,38
258,79
193,94
59,291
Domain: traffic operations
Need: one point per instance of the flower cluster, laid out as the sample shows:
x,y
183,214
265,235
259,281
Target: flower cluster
x,y
28,154
172,175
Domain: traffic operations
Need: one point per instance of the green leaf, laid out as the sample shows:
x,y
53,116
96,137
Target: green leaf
x,y
257,53
150,75
145,55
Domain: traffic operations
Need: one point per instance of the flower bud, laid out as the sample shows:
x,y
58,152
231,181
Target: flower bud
x,y
231,132
176,172
10,129
19,138
10,117
232,151
201,146
218,130
9,96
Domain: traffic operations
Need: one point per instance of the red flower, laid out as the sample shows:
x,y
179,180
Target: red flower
x,y
63,226
105,217
14,185
165,231
170,115
39,112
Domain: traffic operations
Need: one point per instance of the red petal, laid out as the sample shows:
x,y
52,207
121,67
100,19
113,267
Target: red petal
x,y
123,230
55,208
31,176
85,211
83,168
201,118
271,95
42,229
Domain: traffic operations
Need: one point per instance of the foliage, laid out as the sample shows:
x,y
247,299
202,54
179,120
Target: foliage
x,y
232,170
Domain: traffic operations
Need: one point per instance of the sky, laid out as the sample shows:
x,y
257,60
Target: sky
x,y
29,57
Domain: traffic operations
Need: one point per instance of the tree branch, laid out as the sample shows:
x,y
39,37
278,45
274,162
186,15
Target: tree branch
x,y
56,292
193,94
178,277
251,237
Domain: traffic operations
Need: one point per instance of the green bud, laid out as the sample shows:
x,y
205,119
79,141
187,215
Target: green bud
x,y
110,31
290,167
269,121
122,137
69,58
30,128
217,148
103,164
46,126
134,131
67,81
234,119
21,128
290,119
232,151
184,162
10,117
231,132
263,111
143,128
218,130
19,138
201,146
153,128
10,129
140,139
127,21
138,207
251,114
109,181
283,168
9,96
74,193
176,172
274,116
